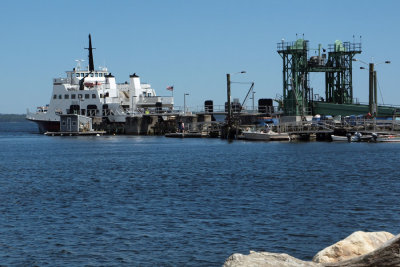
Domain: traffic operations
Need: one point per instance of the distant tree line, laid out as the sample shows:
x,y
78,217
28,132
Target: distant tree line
x,y
12,117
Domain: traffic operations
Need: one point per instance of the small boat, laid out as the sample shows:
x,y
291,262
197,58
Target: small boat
x,y
265,136
385,138
256,135
339,138
279,136
357,137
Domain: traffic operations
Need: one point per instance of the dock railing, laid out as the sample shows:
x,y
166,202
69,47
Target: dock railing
x,y
328,126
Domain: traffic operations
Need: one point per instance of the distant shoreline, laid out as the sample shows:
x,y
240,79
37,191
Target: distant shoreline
x,y
12,117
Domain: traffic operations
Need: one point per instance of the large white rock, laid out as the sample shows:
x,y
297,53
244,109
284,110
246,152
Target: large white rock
x,y
356,244
386,255
266,259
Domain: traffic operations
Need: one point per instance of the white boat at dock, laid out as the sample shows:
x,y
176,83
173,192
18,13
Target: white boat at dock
x,y
385,138
339,138
256,136
357,137
267,135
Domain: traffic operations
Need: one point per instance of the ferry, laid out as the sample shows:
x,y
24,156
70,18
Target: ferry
x,y
96,94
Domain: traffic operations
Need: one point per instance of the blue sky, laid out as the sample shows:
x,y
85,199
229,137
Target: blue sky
x,y
189,44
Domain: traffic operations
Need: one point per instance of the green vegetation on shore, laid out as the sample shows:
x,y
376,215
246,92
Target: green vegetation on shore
x,y
12,117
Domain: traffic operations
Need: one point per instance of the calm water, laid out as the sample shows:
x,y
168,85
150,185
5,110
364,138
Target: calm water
x,y
153,201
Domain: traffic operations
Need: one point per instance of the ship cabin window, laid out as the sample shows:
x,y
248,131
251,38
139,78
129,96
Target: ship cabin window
x,y
96,75
73,96
101,96
66,96
87,96
91,74
73,123
59,96
54,96
100,74
80,96
149,94
93,95
63,123
144,94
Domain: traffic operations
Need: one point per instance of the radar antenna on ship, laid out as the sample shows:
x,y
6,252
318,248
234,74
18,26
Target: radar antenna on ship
x,y
78,63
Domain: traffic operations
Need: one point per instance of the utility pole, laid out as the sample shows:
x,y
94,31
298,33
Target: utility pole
x,y
375,95
253,101
184,103
371,88
228,87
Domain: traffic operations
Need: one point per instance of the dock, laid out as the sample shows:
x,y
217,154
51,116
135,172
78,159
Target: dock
x,y
75,133
186,135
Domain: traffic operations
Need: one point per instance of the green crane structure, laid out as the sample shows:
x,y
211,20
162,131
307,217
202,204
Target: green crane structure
x,y
297,65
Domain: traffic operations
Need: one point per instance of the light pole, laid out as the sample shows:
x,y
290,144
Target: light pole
x,y
228,86
253,100
373,88
184,103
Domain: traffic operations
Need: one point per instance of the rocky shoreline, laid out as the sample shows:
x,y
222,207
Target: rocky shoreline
x,y
360,249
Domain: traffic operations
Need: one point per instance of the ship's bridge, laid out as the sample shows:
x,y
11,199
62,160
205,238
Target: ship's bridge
x,y
80,74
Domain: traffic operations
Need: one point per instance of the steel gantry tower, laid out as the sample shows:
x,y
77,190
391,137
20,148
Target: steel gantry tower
x,y
337,66
295,77
338,77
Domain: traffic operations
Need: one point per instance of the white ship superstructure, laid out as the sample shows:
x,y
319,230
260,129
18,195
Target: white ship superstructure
x,y
95,93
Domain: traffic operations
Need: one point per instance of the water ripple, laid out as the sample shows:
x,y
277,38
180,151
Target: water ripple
x,y
146,201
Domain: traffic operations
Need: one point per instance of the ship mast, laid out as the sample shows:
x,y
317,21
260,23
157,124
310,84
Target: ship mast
x,y
91,64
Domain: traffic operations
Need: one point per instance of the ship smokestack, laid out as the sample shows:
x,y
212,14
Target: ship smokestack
x,y
91,64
